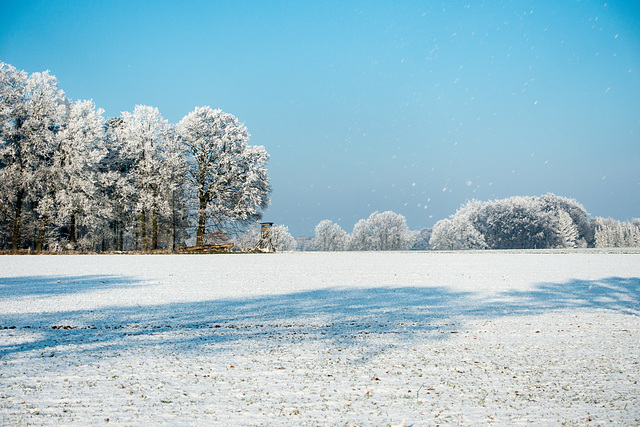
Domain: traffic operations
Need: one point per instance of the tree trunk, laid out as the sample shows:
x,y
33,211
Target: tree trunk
x,y
41,233
136,238
174,223
120,235
173,236
72,231
202,220
154,228
143,226
17,220
114,226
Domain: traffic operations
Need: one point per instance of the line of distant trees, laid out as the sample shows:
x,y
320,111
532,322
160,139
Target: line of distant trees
x,y
546,222
610,233
72,180
521,222
382,231
515,223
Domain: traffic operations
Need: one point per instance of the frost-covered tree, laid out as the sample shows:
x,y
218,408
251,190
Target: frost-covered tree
x,y
13,150
610,233
174,189
281,239
47,110
421,240
579,216
330,237
634,233
142,182
607,235
456,234
459,232
227,175
249,239
144,133
514,223
360,239
31,114
389,231
384,231
442,236
79,151
568,230
116,185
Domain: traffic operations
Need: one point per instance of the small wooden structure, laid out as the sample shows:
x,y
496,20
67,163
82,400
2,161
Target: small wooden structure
x,y
265,244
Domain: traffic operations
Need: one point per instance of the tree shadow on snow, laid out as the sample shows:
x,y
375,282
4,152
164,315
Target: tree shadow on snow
x,y
371,317
44,286
336,315
614,293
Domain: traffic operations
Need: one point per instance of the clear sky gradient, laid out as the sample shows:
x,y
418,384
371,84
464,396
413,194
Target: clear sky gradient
x,y
410,106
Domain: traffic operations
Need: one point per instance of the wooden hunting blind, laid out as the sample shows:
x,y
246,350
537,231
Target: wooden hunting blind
x,y
265,244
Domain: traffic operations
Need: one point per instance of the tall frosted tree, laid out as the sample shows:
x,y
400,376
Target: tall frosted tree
x,y
47,108
444,236
144,132
75,168
116,184
361,236
579,218
173,189
281,239
32,112
389,231
227,175
382,231
330,237
456,234
568,230
13,115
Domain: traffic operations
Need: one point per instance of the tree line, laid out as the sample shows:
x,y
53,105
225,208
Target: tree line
x,y
545,222
382,231
611,233
72,180
521,222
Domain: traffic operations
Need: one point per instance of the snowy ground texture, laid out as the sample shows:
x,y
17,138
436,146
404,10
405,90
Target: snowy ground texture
x,y
356,338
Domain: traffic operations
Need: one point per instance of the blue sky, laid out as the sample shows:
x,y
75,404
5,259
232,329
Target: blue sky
x,y
413,107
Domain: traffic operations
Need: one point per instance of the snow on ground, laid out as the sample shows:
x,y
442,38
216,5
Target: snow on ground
x,y
489,338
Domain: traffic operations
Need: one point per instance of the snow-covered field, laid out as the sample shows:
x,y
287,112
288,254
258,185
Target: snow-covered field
x,y
321,339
